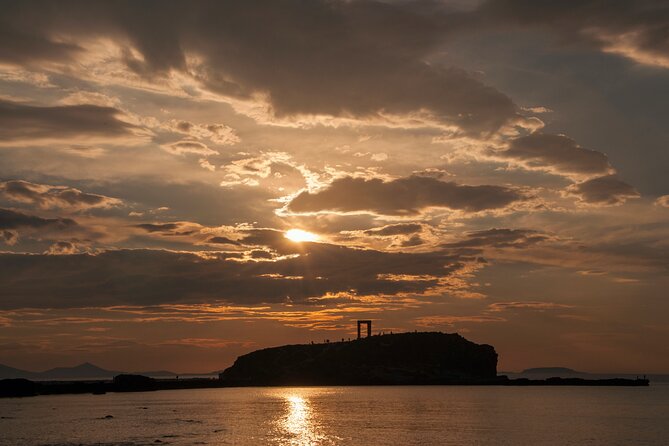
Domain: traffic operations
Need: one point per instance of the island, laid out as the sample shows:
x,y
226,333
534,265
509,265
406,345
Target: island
x,y
393,359
418,358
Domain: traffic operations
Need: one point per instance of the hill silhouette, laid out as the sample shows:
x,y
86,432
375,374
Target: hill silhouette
x,y
82,371
85,371
407,358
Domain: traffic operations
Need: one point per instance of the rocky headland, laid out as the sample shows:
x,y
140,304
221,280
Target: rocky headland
x,y
397,359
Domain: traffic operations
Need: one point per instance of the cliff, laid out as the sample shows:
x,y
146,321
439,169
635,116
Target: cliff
x,y
407,358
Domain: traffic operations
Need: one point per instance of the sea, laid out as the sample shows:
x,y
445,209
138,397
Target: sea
x,y
422,415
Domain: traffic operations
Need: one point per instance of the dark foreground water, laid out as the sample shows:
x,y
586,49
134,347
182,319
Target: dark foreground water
x,y
436,415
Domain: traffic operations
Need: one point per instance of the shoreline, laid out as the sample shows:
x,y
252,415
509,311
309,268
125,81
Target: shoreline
x,y
10,388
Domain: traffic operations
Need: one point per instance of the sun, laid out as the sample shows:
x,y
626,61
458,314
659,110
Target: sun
x,y
298,235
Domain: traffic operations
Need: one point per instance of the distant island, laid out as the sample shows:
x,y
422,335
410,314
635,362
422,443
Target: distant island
x,y
425,358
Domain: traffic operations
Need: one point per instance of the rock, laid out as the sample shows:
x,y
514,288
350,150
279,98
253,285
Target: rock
x,y
133,383
18,387
407,358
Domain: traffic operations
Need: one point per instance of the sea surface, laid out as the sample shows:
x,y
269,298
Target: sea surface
x,y
430,415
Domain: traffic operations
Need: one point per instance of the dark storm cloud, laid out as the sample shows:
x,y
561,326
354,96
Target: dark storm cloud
x,y
397,229
557,154
606,190
46,196
26,123
335,58
338,58
16,220
149,277
404,196
500,238
638,29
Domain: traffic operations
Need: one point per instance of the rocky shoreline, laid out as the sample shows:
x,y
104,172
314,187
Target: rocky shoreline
x,y
24,387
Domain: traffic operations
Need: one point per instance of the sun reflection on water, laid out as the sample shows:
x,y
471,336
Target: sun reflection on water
x,y
299,424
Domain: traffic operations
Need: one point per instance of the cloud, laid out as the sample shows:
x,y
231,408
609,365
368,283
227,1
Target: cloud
x,y
635,29
500,238
63,248
219,240
255,167
83,97
349,60
30,45
435,321
16,220
205,164
607,190
274,169
662,201
15,226
396,229
47,197
9,237
34,231
403,196
556,154
535,306
217,133
414,240
23,124
188,148
159,227
175,229
149,277
84,151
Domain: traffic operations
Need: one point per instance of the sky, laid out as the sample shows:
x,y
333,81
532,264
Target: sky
x,y
182,182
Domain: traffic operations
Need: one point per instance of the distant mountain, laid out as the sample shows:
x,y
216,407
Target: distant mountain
x,y
550,372
564,372
553,371
83,372
10,372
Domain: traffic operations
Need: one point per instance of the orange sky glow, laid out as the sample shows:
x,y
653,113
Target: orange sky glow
x,y
182,186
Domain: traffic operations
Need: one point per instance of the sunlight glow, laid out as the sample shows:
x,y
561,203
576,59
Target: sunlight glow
x,y
299,423
298,235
